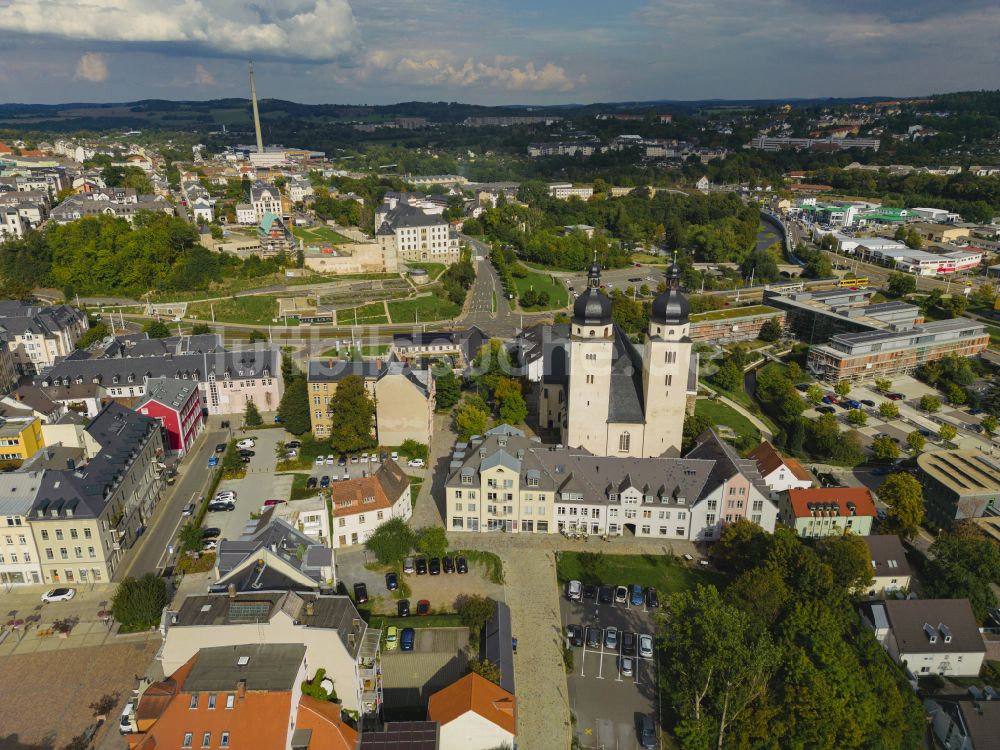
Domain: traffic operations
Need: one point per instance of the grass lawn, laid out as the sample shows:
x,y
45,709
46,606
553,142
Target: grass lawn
x,y
415,484
299,489
370,313
741,397
233,285
422,309
721,414
659,571
734,312
541,282
259,310
320,234
647,259
433,269
994,333
375,350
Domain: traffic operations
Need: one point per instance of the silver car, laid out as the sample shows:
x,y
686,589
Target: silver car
x,y
646,646
627,666
611,639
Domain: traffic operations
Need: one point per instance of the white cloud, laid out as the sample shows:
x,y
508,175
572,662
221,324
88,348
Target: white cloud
x,y
203,77
504,72
92,67
307,30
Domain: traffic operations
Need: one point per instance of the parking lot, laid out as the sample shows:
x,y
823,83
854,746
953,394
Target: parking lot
x,y
331,467
607,704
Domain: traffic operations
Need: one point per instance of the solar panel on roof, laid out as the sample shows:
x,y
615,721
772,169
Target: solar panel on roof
x,y
244,611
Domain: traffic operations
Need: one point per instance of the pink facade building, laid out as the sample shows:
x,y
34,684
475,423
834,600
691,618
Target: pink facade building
x,y
176,404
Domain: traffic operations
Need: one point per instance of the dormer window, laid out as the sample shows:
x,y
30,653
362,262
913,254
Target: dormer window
x,y
131,378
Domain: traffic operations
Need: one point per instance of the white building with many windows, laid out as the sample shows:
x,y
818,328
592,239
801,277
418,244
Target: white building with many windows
x,y
362,505
19,563
408,232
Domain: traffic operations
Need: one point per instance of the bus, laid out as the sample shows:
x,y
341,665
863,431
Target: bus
x,y
861,281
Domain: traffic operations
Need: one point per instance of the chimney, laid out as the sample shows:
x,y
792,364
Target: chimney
x,y
241,689
231,590
309,609
71,464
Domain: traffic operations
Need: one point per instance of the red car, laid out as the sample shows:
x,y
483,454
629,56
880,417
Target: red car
x,y
423,607
895,396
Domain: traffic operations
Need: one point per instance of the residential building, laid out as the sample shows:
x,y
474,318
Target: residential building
x,y
769,143
733,324
890,569
959,484
85,205
582,147
619,401
566,190
8,368
19,560
265,199
202,211
176,405
274,236
474,714
965,722
779,472
273,555
246,214
362,505
928,636
899,351
403,397
20,438
409,233
334,635
506,121
504,481
85,518
462,346
308,516
13,226
35,402
36,336
827,511
240,696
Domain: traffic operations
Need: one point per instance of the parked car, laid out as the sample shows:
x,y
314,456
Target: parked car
x,y
311,483
324,481
390,638
246,453
209,545
406,639
575,635
125,720
652,600
611,638
574,590
293,444
213,461
245,459
627,666
646,731
621,594
825,409
868,402
403,608
221,507
423,608
895,396
802,387
360,593
828,399
245,443
220,448
188,510
416,463
272,503
408,565
448,564
354,459
636,595
646,646
58,595
210,532
421,566
225,495
434,566
320,460
589,591
461,566
605,594
391,581
342,461
395,455
628,643
593,637
851,403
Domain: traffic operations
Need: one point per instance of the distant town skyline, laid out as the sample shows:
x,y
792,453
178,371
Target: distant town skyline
x,y
486,52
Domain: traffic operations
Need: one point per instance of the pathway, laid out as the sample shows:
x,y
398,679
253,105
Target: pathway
x,y
427,511
765,431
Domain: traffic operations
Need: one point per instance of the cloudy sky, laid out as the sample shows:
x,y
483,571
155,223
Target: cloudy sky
x,y
493,52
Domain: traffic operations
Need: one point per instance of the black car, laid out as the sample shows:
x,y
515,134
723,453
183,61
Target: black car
x,y
461,566
293,444
802,387
434,566
606,594
421,566
628,644
868,402
589,591
221,507
652,600
593,637
825,409
246,452
448,564
210,533
403,608
383,456
324,481
360,593
575,635
311,482
220,448
391,581
342,461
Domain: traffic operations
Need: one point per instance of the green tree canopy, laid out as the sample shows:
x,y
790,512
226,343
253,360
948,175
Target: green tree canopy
x,y
251,415
902,493
432,541
885,448
294,407
391,541
139,602
448,390
156,329
352,413
471,420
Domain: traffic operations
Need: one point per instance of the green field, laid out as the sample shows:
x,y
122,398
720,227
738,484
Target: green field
x,y
366,315
320,235
231,286
422,309
721,414
259,310
647,259
434,270
733,312
994,333
543,282
659,571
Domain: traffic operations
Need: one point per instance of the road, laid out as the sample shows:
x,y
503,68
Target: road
x,y
149,553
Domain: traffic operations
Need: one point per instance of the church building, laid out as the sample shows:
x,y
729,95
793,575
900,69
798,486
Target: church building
x,y
616,400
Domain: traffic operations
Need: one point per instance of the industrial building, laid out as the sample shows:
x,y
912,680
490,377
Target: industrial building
x,y
959,484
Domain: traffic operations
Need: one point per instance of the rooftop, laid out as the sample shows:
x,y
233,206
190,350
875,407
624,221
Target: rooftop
x,y
963,472
477,694
888,555
267,667
734,312
915,622
804,501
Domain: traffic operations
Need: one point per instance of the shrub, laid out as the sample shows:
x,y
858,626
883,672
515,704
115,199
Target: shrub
x,y
139,602
391,542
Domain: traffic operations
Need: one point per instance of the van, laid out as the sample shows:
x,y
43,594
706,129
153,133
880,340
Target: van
x,y
125,721
574,590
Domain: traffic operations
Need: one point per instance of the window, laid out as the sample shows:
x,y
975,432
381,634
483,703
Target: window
x,y
211,700
645,529
59,534
45,536
63,553
590,379
680,531
230,700
193,704
668,379
73,534
341,522
206,739
710,519
624,441
224,740
188,737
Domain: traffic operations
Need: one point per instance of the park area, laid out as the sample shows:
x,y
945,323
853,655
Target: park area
x,y
320,235
666,574
538,283
723,415
423,309
257,310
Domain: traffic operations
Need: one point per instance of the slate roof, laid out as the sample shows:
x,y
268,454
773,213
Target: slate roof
x,y
907,618
168,392
727,462
335,370
268,667
281,539
18,491
981,719
887,555
405,216
17,318
33,398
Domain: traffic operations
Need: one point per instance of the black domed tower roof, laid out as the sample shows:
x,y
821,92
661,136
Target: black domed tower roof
x,y
592,308
671,307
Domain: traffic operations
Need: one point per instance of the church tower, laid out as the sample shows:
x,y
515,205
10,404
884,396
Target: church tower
x,y
591,348
666,363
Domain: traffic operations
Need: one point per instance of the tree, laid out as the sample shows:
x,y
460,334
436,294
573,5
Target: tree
x,y
513,409
770,331
956,305
475,611
391,541
901,492
857,417
189,537
883,385
848,450
156,329
814,394
471,420
989,424
447,390
413,449
256,336
486,669
916,441
849,559
888,410
901,284
956,394
352,412
930,404
294,407
94,334
251,415
728,377
964,568
432,541
842,388
694,425
947,432
200,328
138,602
885,448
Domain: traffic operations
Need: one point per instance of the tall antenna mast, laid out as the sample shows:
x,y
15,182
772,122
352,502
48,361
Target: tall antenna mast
x,y
256,114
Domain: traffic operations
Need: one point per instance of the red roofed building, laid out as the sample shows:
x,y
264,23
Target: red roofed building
x,y
827,511
780,472
474,714
176,404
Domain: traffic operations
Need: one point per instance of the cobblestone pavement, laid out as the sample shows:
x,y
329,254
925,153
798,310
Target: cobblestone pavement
x,y
428,511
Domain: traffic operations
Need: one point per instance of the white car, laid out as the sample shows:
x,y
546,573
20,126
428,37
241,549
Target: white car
x,y
291,453
395,455
58,595
627,665
330,459
209,545
125,721
417,463
245,444
646,646
320,460
225,495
